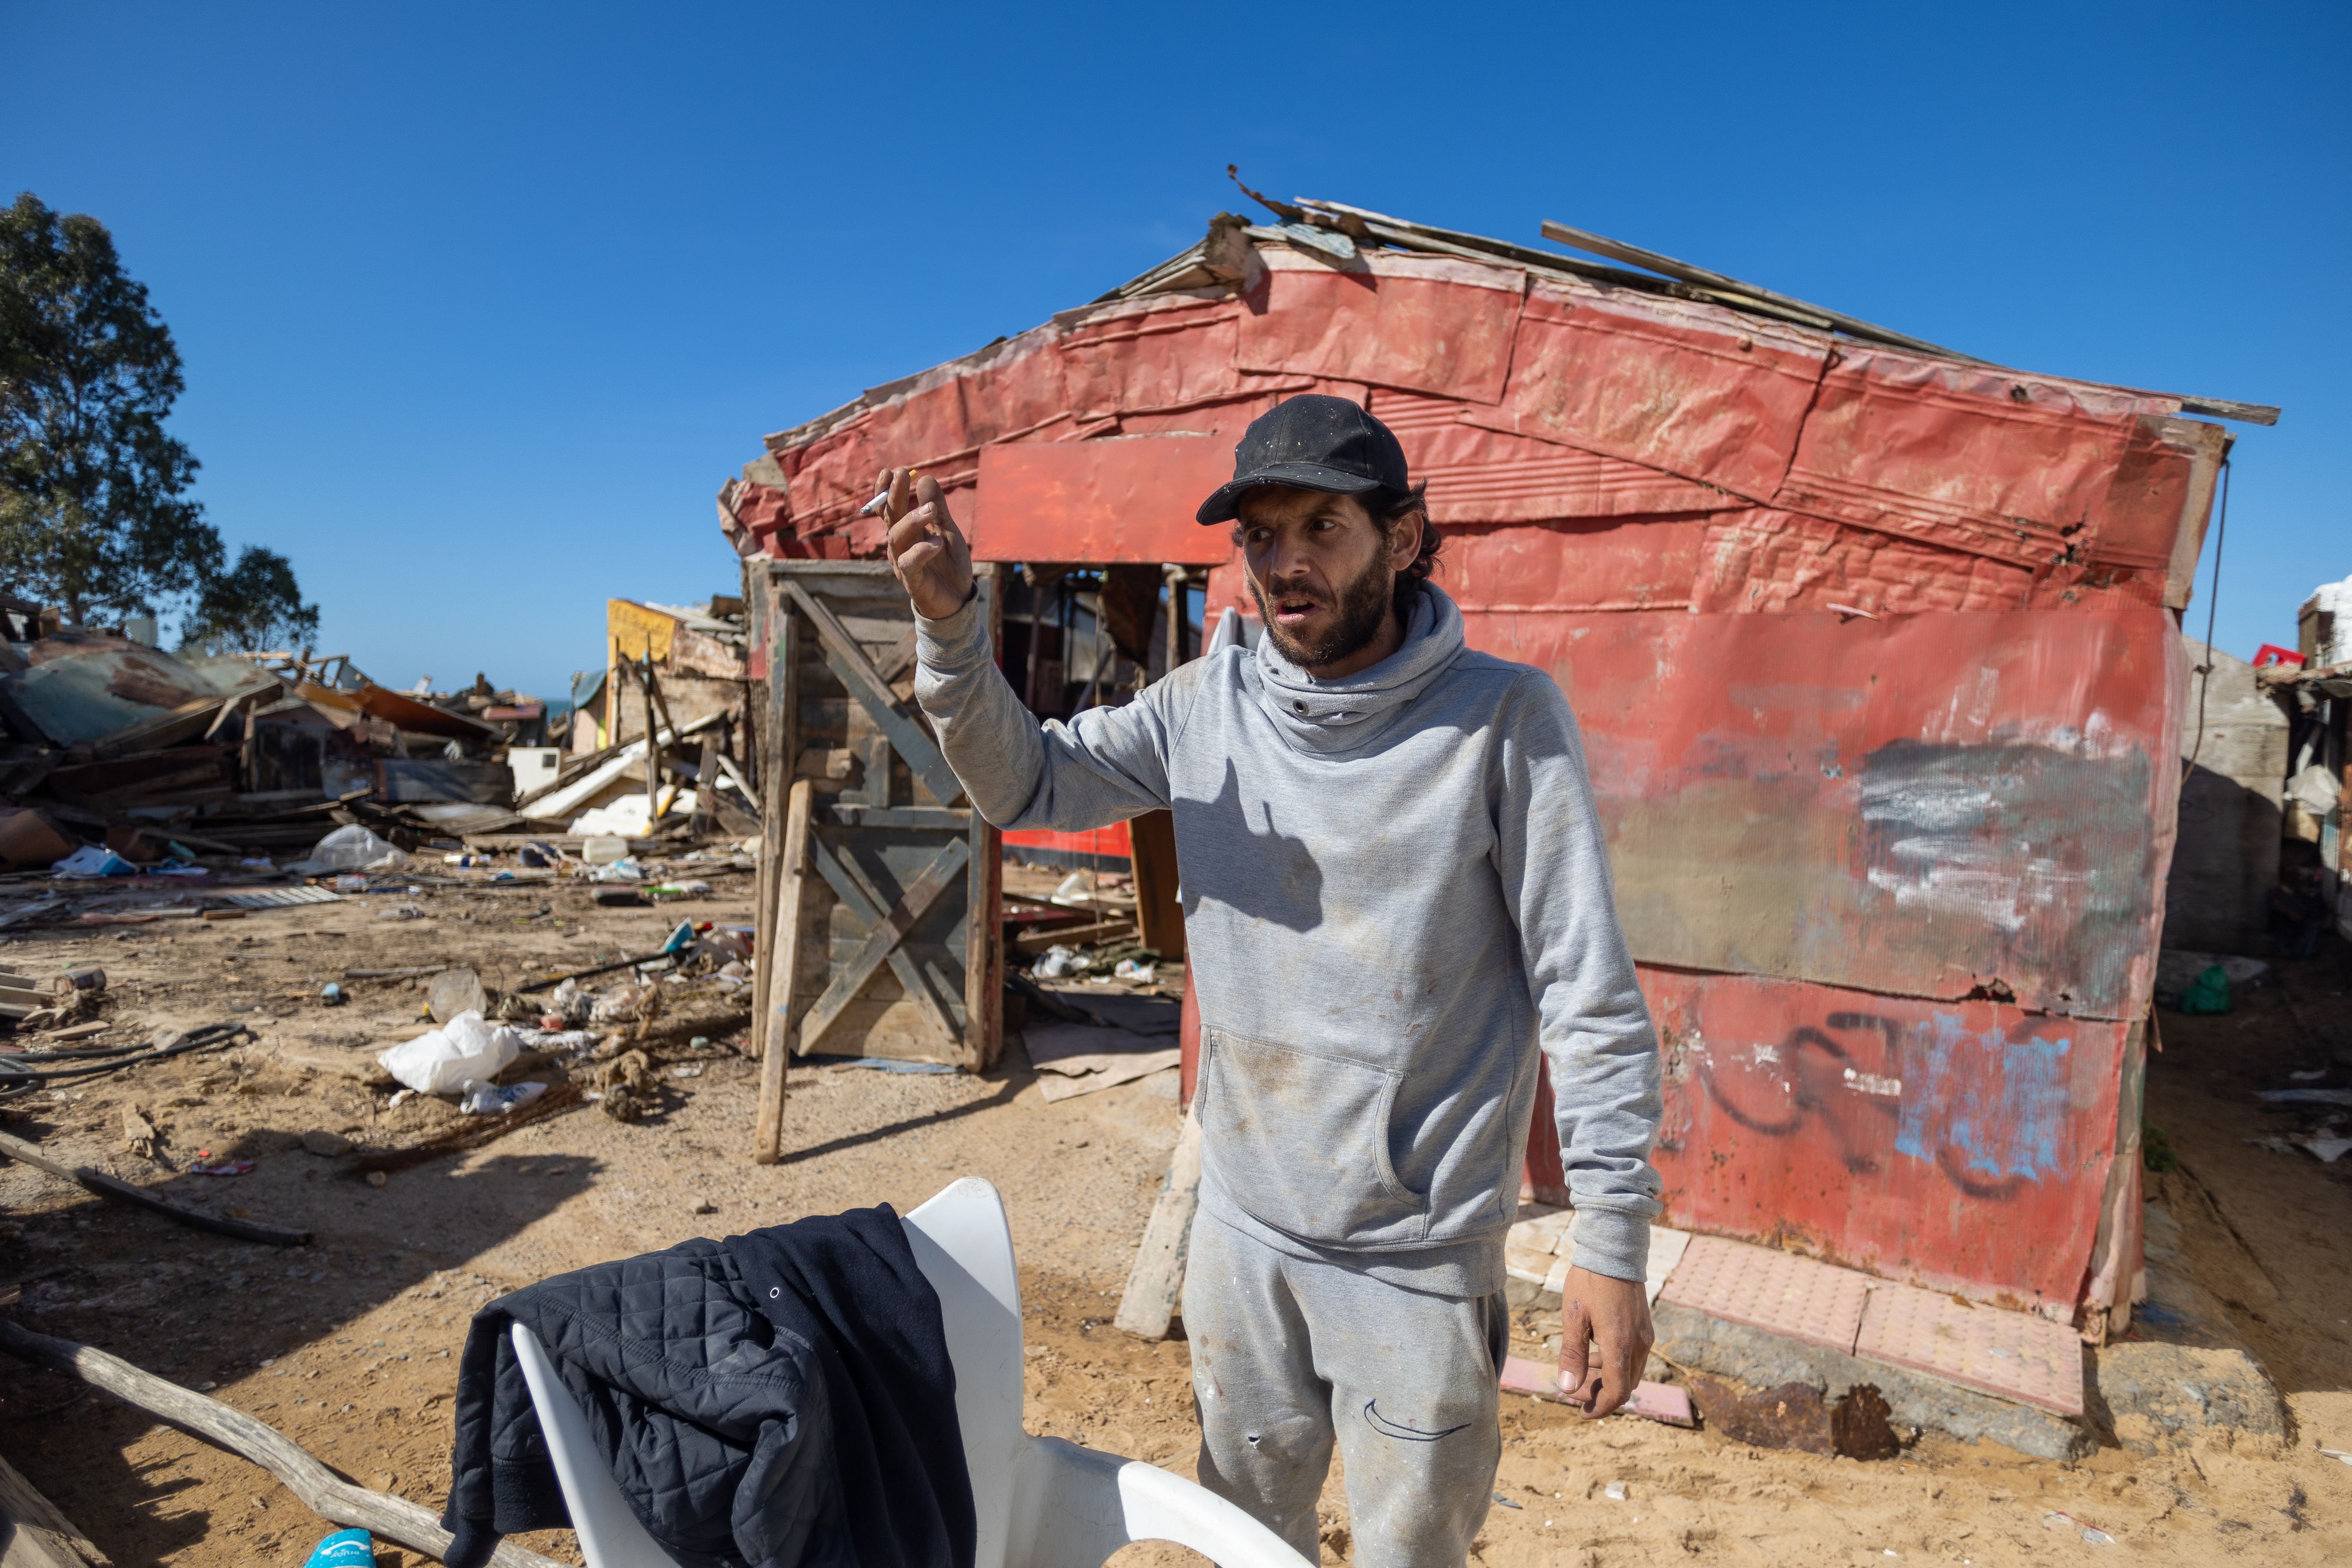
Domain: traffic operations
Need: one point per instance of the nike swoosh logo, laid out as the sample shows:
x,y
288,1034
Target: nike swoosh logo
x,y
1388,1428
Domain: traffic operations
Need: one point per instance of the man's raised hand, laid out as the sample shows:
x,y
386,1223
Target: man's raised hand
x,y
926,549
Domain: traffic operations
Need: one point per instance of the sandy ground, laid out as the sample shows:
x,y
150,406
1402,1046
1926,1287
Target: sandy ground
x,y
349,1344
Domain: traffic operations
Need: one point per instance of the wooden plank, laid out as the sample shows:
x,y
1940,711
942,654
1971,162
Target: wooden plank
x,y
34,1534
1156,1282
887,932
923,819
984,956
866,683
1151,846
791,863
778,734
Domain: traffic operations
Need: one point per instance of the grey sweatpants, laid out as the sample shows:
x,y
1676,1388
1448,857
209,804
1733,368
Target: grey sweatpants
x,y
1289,1352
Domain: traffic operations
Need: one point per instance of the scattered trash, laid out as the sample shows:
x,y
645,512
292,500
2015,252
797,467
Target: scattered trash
x,y
1614,1491
91,859
625,869
496,1098
401,911
351,848
685,1072
2314,1076
1507,1502
680,890
888,1064
331,993
2337,1454
2067,1521
618,897
444,1060
699,1042
603,849
1143,974
86,977
703,1205
2329,1150
1058,963
345,1548
2209,994
2305,1096
455,991
139,1136
199,1167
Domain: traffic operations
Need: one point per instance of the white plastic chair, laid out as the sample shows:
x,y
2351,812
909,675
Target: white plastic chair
x,y
1042,1502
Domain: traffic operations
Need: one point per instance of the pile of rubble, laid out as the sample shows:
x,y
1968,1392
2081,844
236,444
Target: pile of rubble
x,y
109,743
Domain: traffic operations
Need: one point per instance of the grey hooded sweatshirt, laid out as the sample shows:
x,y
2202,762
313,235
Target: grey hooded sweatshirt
x,y
1395,891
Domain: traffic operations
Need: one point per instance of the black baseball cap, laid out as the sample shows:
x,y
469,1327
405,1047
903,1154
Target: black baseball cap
x,y
1314,443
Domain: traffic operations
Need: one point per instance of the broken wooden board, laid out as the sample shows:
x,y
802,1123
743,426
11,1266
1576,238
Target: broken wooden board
x,y
1156,1282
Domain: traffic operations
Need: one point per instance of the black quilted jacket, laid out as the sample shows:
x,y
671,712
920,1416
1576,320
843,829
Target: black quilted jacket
x,y
777,1399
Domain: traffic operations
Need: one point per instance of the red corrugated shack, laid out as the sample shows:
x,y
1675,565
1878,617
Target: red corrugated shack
x,y
1874,647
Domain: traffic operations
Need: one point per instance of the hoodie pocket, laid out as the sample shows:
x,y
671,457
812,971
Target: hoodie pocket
x,y
1300,1140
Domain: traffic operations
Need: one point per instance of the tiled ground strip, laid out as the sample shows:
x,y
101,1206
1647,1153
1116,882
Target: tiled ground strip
x,y
1776,1291
2015,1356
2011,1355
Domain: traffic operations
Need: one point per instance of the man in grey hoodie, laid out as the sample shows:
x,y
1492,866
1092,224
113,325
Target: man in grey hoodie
x,y
1398,908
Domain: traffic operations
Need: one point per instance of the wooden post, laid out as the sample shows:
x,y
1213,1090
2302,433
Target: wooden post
x,y
784,957
1156,1282
777,733
705,784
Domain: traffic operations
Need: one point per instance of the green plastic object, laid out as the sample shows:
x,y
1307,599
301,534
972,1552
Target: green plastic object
x,y
2210,993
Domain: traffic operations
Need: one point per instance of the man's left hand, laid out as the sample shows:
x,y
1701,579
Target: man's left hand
x,y
1611,1317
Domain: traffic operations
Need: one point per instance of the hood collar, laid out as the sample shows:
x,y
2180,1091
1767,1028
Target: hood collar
x,y
1341,716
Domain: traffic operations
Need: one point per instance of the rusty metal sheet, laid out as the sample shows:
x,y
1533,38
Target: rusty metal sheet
x,y
1422,323
1478,474
1960,1146
1176,356
1926,805
1964,457
1765,559
1691,390
1601,565
1101,502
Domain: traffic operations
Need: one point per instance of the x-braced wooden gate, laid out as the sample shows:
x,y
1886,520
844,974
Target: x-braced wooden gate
x,y
881,935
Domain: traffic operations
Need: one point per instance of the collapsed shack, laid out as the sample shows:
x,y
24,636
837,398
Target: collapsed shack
x,y
1875,649
231,754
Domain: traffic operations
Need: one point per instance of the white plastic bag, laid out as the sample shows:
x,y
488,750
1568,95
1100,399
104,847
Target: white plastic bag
x,y
496,1100
441,1061
353,848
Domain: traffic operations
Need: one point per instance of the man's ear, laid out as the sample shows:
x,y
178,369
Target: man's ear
x,y
1405,540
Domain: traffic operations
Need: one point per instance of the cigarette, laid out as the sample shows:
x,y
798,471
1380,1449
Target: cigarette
x,y
882,497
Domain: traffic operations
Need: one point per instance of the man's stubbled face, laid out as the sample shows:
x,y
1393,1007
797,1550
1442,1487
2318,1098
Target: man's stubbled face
x,y
1319,569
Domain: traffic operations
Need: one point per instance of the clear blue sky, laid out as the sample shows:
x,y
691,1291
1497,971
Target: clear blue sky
x,y
480,304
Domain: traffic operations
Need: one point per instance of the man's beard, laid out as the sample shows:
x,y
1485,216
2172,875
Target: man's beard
x,y
1355,620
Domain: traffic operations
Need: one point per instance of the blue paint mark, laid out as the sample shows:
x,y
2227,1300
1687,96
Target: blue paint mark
x,y
1996,1106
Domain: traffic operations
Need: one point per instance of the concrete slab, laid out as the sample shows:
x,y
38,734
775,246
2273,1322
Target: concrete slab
x,y
1698,1342
2013,1356
1779,1293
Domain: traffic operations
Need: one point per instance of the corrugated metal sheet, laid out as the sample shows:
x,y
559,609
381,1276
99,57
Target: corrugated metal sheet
x,y
1869,648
